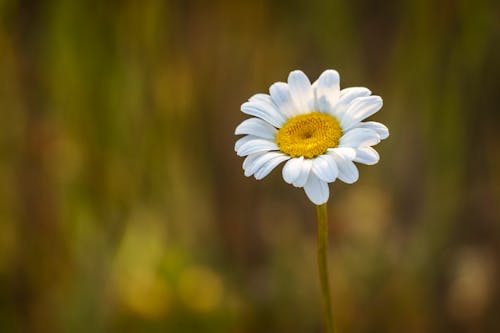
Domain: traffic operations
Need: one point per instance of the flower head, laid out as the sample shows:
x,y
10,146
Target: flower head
x,y
317,128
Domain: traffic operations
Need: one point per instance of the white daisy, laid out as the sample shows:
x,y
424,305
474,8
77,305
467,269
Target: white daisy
x,y
317,128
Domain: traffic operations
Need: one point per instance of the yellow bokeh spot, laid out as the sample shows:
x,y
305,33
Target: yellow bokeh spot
x,y
145,295
200,289
137,282
309,135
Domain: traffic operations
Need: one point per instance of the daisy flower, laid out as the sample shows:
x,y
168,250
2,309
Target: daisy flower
x,y
318,129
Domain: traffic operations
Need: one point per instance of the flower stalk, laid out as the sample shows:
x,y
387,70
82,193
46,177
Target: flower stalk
x,y
323,266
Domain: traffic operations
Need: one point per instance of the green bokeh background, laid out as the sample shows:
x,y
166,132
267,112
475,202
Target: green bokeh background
x,y
123,207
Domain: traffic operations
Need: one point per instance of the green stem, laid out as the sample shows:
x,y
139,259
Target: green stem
x,y
323,266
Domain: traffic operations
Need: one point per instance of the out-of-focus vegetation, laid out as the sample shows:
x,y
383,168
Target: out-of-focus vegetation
x,y
124,209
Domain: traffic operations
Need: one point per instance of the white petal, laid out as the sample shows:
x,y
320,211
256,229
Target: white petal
x,y
360,109
256,146
257,127
346,152
317,191
348,173
269,166
347,95
261,97
301,180
359,137
292,168
280,94
354,92
301,91
325,168
240,142
258,162
263,110
381,129
327,88
366,155
250,160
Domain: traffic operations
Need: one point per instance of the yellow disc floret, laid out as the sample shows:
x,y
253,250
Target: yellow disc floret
x,y
308,135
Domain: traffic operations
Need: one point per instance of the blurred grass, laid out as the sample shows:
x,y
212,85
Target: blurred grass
x,y
124,209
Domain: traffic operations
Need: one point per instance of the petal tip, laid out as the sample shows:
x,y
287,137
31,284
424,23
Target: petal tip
x,y
297,76
331,72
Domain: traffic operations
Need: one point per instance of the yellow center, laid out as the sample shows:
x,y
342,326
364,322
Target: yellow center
x,y
308,135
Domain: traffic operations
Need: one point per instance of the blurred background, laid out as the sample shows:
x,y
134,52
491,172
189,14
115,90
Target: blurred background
x,y
123,207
